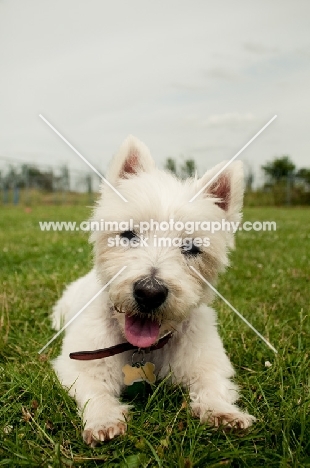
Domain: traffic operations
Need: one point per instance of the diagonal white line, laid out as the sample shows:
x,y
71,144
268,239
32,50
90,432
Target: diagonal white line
x,y
83,308
235,310
233,158
82,157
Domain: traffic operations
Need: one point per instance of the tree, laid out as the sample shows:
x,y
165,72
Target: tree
x,y
279,169
187,169
170,165
304,175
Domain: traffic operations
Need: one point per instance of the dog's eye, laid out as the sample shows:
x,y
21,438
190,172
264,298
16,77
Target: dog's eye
x,y
190,250
128,235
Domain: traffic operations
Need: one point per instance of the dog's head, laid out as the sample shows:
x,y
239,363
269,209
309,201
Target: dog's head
x,y
158,234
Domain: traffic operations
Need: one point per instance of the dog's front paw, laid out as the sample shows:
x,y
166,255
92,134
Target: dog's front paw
x,y
229,417
236,420
103,432
104,418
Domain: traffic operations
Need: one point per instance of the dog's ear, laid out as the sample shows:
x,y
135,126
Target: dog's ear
x,y
132,158
226,187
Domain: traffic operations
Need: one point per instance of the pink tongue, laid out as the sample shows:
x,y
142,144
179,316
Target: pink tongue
x,y
141,331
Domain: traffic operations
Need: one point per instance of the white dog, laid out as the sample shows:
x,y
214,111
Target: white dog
x,y
155,294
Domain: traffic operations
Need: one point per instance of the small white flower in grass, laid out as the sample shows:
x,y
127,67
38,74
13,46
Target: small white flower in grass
x,y
268,364
8,429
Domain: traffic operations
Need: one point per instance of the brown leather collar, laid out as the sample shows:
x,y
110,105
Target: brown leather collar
x,y
120,348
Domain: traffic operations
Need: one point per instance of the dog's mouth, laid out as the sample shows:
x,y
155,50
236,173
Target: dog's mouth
x,y
141,331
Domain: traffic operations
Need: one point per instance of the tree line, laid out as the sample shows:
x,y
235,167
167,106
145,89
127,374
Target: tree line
x,y
283,179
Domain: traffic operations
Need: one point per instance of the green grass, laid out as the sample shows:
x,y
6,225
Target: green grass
x,y
268,282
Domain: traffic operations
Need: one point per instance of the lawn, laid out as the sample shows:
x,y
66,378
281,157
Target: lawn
x,y
268,282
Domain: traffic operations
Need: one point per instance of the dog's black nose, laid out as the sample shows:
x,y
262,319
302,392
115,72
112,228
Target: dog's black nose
x,y
149,294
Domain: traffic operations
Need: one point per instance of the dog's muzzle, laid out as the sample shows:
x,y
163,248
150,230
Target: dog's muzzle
x,y
149,294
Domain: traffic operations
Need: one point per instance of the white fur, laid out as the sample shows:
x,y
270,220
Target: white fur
x,y
195,354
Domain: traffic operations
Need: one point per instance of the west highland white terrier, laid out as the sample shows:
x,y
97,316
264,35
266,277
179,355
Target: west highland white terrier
x,y
158,303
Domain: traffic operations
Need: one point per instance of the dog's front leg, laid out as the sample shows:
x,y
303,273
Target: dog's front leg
x,y
213,396
96,388
198,361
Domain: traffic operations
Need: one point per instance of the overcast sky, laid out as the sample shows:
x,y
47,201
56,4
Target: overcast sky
x,y
191,79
